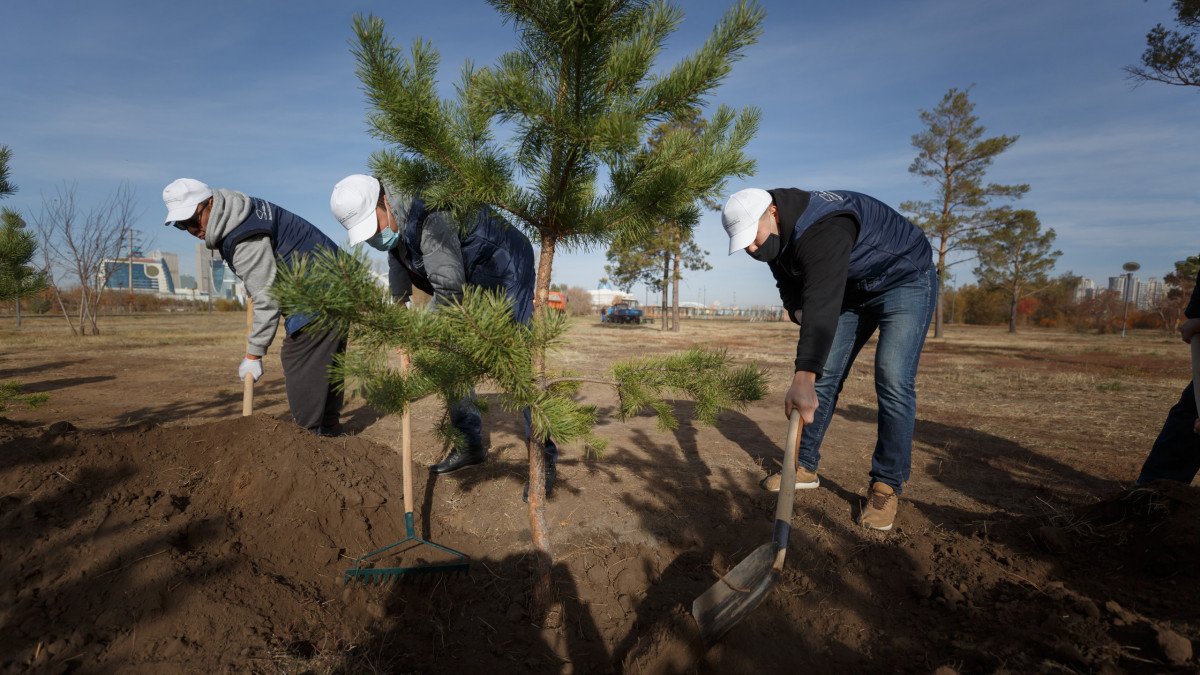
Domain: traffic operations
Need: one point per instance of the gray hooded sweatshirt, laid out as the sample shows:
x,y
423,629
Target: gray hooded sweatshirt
x,y
253,258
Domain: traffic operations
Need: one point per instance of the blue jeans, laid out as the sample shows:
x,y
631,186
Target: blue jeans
x,y
1175,454
465,417
902,316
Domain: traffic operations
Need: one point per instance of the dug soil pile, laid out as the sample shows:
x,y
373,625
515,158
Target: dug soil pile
x,y
220,547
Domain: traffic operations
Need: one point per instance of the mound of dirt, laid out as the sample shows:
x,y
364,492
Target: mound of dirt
x,y
221,548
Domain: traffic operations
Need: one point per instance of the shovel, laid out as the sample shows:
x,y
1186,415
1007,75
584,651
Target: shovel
x,y
737,593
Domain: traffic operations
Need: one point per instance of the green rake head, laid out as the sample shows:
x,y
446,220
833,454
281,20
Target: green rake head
x,y
383,576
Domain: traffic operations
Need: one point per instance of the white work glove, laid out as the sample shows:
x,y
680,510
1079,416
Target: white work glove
x,y
251,367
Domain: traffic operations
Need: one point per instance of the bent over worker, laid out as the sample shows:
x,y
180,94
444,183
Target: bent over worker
x,y
846,265
428,250
1175,454
251,234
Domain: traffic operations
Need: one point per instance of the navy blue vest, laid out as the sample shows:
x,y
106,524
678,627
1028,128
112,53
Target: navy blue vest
x,y
890,250
496,255
292,238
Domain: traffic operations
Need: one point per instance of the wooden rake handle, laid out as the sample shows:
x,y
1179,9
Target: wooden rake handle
x,y
248,380
406,443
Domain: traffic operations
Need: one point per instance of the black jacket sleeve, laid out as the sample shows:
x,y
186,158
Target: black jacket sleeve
x,y
822,255
398,279
1193,308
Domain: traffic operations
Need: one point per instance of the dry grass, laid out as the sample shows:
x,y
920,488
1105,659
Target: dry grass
x,y
1036,388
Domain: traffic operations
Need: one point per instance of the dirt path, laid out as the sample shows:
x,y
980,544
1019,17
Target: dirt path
x,y
147,527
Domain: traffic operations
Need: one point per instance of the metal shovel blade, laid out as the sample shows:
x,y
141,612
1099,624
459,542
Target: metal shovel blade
x,y
736,594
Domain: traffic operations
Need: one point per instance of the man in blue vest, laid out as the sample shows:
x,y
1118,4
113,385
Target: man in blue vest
x,y
251,235
847,264
427,249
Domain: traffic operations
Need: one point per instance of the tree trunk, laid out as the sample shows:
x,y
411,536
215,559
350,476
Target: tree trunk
x,y
665,285
65,313
938,330
18,312
675,298
543,589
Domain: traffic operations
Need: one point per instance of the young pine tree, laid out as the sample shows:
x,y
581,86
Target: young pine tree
x,y
579,93
954,157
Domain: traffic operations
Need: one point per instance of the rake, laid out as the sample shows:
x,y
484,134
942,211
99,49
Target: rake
x,y
378,576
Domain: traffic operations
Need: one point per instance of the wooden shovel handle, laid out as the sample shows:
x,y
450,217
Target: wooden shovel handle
x,y
787,490
248,395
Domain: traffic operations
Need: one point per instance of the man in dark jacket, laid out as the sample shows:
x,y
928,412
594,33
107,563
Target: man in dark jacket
x,y
846,264
1175,454
428,250
251,234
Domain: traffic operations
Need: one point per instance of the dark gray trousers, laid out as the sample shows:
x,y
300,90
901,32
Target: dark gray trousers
x,y
312,395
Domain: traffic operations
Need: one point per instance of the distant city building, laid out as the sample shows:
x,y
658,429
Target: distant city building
x,y
605,295
214,278
1150,294
1086,290
141,274
172,262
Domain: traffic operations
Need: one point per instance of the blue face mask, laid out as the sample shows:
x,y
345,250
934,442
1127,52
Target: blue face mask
x,y
385,240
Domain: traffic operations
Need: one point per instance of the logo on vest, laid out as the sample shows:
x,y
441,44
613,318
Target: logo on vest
x,y
828,196
262,209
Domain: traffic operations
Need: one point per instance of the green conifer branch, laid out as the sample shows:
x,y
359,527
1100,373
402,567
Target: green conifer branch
x,y
462,346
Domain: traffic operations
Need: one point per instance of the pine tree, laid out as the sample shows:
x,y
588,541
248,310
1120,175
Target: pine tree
x,y
459,347
579,96
1016,257
6,186
17,279
17,248
656,259
953,157
1171,56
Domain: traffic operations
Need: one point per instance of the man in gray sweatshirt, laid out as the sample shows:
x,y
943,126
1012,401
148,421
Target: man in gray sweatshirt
x,y
252,235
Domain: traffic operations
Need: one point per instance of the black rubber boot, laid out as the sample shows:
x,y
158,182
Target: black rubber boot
x,y
460,459
551,476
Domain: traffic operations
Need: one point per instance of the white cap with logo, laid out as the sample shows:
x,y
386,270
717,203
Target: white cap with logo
x,y
183,196
740,216
353,204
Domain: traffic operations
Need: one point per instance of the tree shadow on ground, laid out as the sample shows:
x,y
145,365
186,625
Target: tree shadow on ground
x,y
991,470
217,405
53,385
6,373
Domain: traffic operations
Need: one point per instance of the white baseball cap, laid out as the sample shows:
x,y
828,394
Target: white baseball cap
x,y
353,204
183,196
740,216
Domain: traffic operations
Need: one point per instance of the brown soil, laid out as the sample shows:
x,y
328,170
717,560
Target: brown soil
x,y
146,527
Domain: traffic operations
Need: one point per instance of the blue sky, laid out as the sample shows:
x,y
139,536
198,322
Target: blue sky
x,y
261,97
